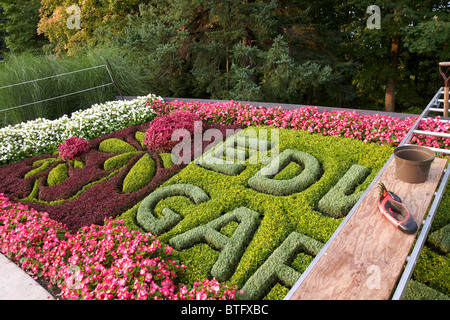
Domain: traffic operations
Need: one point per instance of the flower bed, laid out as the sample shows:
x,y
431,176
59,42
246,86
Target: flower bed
x,y
112,176
97,262
39,136
368,128
235,228
257,233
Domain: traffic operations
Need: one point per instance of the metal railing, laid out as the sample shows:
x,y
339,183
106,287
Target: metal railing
x,y
107,66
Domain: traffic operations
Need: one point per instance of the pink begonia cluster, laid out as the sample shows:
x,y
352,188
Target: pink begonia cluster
x,y
368,128
73,147
158,137
98,262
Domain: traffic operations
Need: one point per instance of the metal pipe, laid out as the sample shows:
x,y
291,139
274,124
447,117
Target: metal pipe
x,y
446,86
407,273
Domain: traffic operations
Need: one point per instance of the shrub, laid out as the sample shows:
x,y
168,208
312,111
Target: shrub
x,y
339,200
276,267
158,137
231,248
43,165
146,217
441,239
73,147
140,174
418,291
58,174
115,145
119,160
262,181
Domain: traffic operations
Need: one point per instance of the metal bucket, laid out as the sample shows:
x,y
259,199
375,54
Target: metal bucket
x,y
413,163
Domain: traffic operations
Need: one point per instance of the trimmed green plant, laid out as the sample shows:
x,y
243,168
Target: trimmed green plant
x,y
58,174
441,239
231,247
277,266
146,216
340,199
119,160
114,145
140,174
263,182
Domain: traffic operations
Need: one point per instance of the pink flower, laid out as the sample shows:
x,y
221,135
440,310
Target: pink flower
x,y
73,147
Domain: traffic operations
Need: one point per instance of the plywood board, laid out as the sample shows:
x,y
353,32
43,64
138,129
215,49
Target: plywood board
x,y
366,258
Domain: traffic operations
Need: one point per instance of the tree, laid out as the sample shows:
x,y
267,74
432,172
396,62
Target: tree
x,y
3,20
386,53
18,25
224,49
94,16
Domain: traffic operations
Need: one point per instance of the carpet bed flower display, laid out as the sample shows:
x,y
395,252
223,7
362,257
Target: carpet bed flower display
x,y
95,222
376,128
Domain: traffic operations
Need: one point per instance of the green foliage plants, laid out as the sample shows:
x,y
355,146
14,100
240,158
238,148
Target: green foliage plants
x,y
140,136
231,247
340,199
146,217
166,159
119,160
276,267
229,157
419,291
263,182
114,145
441,239
41,165
140,174
58,174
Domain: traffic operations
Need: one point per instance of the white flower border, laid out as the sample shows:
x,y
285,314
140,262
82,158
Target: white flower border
x,y
39,136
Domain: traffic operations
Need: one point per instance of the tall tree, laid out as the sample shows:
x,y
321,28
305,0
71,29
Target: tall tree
x,y
20,19
3,34
385,52
93,15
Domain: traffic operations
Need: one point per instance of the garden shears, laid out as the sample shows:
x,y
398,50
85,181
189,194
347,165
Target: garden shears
x,y
392,208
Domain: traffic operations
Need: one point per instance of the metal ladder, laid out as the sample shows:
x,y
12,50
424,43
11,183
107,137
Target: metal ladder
x,y
441,97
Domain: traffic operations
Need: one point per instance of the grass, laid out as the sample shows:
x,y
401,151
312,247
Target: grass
x,y
26,67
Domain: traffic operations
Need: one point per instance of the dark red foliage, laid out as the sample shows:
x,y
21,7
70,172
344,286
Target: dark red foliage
x,y
102,200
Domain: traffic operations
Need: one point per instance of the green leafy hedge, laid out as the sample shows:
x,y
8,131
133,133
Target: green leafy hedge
x,y
140,174
58,174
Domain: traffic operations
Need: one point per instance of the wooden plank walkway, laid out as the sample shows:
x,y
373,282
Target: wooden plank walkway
x,y
366,258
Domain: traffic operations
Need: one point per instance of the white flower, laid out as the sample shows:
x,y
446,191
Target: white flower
x,y
41,135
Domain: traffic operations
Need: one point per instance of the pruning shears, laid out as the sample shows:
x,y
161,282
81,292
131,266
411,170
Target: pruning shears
x,y
392,208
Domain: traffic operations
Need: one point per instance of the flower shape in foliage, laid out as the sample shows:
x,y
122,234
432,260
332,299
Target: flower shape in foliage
x,y
159,135
73,147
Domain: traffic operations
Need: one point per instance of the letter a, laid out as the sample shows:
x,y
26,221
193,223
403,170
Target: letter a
x,y
374,21
74,21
